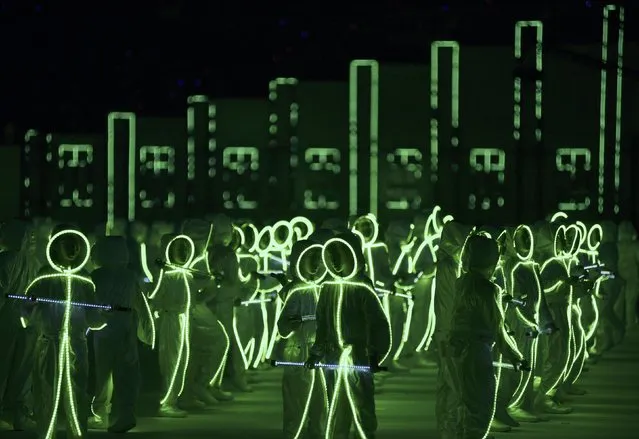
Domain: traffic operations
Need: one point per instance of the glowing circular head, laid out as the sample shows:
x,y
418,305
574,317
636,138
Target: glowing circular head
x,y
595,236
239,236
566,240
302,227
523,242
68,247
250,233
309,267
573,238
264,239
283,234
340,259
367,228
180,251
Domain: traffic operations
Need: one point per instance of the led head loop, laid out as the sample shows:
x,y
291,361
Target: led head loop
x,y
332,245
372,222
583,235
282,235
523,234
264,240
322,269
302,227
251,236
240,234
190,253
595,236
87,252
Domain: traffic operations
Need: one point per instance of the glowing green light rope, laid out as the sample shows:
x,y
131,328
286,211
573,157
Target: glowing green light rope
x,y
184,273
65,364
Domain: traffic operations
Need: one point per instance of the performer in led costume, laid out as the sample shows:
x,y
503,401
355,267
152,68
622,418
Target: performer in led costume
x,y
525,301
352,329
451,246
267,291
304,398
60,374
583,292
423,258
248,312
117,364
209,336
476,326
400,241
172,302
224,260
551,254
18,268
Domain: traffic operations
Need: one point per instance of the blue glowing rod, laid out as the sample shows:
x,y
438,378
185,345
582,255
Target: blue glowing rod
x,y
321,366
64,302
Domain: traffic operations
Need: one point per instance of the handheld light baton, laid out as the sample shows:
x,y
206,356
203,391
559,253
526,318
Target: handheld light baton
x,y
352,367
34,299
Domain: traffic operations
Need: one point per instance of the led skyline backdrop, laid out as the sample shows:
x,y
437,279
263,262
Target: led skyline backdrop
x,y
491,134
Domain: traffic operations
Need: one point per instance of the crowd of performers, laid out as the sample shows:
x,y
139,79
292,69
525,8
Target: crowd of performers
x,y
510,316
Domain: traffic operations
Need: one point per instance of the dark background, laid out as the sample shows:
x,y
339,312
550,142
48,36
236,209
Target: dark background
x,y
67,65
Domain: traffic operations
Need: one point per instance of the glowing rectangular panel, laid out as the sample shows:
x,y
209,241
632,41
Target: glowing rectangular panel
x,y
490,165
161,168
77,169
321,177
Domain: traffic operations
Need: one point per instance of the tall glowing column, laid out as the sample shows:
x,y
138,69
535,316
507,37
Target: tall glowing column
x,y
528,149
355,136
437,120
284,142
114,135
200,149
604,136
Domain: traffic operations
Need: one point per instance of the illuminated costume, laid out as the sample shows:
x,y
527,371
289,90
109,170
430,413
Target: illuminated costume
x,y
224,260
18,268
60,374
400,241
303,392
428,230
555,355
448,269
523,302
208,337
628,265
476,326
117,365
172,302
352,329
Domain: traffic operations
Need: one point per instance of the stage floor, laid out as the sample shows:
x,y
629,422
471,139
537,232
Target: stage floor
x,y
406,408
